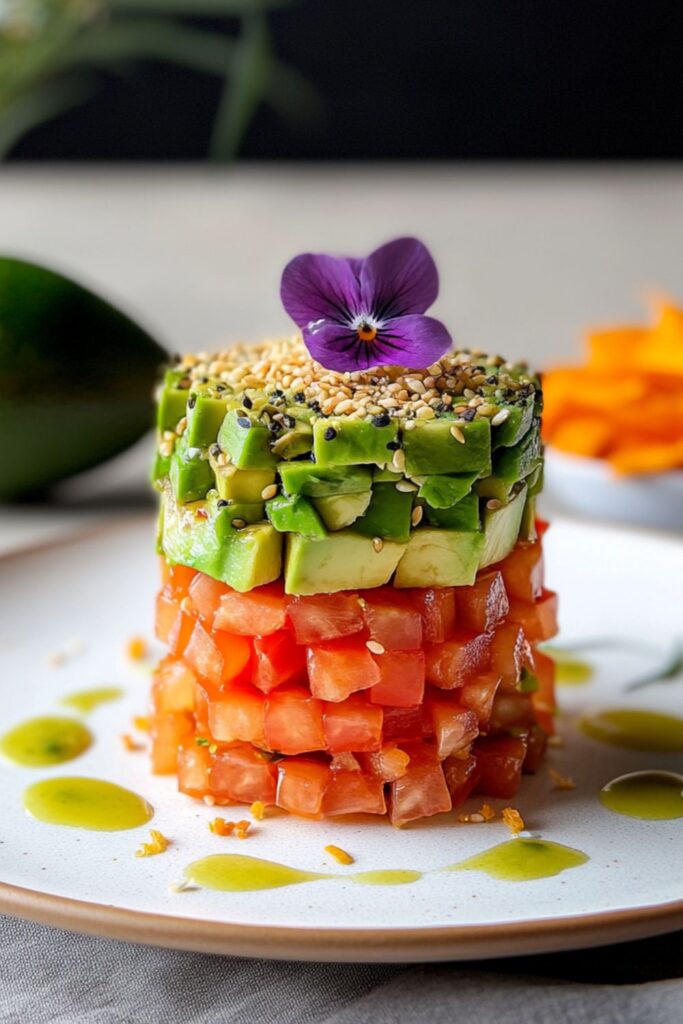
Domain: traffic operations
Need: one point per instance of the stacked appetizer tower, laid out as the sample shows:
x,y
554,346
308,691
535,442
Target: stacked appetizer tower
x,y
352,573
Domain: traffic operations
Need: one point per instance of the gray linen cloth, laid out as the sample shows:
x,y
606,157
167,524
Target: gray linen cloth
x,y
47,975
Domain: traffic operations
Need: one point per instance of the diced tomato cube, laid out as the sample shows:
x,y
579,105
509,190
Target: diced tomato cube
x,y
243,775
500,760
344,762
220,658
402,724
177,577
352,725
259,612
483,605
277,660
462,776
478,696
537,741
422,791
205,594
166,614
523,572
438,610
539,618
173,686
301,786
510,653
543,698
402,679
193,769
511,711
455,727
353,793
238,714
168,730
294,722
325,617
392,619
541,527
455,662
338,669
387,764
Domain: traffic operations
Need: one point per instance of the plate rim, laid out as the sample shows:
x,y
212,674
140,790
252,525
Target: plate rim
x,y
337,945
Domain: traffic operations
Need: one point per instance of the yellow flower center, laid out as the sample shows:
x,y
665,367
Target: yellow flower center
x,y
366,332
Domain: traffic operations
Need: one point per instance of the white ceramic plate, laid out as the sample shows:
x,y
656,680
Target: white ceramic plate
x,y
100,590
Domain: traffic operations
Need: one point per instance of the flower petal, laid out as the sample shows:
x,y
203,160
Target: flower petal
x,y
413,341
318,287
398,278
337,347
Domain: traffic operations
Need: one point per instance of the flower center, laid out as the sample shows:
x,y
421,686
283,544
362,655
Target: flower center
x,y
366,331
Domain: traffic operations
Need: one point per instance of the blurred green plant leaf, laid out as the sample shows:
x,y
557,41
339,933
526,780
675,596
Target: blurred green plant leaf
x,y
244,91
198,8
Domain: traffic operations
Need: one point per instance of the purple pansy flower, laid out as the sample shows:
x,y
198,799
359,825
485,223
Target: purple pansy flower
x,y
358,313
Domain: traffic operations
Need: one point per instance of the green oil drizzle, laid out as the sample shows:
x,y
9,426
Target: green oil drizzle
x,y
398,877
635,729
652,795
234,872
86,803
569,671
86,701
523,860
41,742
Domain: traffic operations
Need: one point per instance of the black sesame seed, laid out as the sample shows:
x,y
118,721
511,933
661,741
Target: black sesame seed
x,y
277,395
222,503
330,434
244,421
441,407
383,420
247,402
299,397
203,380
192,401
314,405
492,379
393,446
289,421
273,427
468,415
215,450
221,387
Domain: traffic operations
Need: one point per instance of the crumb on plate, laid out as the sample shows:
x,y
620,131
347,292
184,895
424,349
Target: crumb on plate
x,y
513,819
158,843
341,856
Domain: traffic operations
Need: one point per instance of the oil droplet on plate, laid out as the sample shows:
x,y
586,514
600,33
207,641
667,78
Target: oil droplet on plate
x,y
523,860
397,877
41,742
86,803
651,795
635,729
234,872
569,671
87,700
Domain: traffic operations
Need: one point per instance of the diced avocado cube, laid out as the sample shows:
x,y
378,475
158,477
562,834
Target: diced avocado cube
x,y
388,514
205,413
190,473
511,432
235,484
253,557
339,441
535,481
317,481
160,469
440,558
172,402
343,561
501,529
296,441
246,441
294,514
511,465
445,491
340,510
431,448
234,511
462,516
382,475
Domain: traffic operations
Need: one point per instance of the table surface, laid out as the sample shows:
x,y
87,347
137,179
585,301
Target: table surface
x,y
528,258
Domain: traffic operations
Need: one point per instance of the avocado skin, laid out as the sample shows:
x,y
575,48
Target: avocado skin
x,y
76,378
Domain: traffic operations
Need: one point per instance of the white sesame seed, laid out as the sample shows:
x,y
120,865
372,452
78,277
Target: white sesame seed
x,y
415,385
493,503
269,492
405,486
374,647
458,434
377,544
425,412
416,515
399,460
500,417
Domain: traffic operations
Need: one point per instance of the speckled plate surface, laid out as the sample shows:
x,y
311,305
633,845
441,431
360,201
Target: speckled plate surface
x,y
84,599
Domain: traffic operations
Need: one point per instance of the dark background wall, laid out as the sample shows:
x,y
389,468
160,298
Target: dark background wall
x,y
463,79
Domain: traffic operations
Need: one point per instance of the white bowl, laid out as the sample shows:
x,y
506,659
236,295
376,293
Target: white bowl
x,y
591,488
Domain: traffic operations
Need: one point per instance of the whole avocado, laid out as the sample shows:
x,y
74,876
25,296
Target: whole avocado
x,y
76,378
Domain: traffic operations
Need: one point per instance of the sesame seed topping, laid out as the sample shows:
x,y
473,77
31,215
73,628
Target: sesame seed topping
x,y
416,515
239,524
458,434
500,417
493,504
330,434
269,492
405,486
377,544
399,460
244,421
374,646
